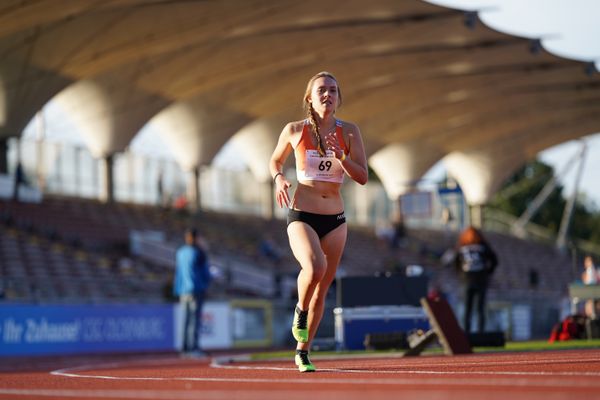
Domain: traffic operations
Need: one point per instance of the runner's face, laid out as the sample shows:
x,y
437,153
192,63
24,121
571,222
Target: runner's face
x,y
324,95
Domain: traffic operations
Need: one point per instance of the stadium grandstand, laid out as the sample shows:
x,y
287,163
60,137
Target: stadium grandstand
x,y
95,222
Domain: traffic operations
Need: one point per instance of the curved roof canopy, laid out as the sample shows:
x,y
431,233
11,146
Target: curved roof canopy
x,y
422,81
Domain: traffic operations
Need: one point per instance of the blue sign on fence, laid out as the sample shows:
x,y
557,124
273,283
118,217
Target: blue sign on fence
x,y
37,330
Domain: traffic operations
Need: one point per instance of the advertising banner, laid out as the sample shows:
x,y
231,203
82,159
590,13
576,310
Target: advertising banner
x,y
69,329
215,330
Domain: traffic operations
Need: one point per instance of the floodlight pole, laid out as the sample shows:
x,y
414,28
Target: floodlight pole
x,y
568,212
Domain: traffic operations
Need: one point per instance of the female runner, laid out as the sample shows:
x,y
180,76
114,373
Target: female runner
x,y
325,149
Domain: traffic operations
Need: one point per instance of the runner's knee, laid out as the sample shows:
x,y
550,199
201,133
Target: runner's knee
x,y
315,271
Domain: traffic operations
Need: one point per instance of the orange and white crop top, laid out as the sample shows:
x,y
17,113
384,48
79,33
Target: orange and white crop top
x,y
311,166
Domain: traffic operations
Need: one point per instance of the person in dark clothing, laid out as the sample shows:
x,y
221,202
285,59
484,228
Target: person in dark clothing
x,y
192,279
160,190
476,261
19,180
399,235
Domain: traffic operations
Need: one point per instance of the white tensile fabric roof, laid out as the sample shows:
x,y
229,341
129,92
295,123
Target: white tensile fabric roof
x,y
423,81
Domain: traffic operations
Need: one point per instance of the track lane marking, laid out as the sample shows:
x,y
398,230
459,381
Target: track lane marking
x,y
442,378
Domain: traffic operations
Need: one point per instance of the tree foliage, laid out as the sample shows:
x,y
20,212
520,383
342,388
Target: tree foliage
x,y
523,187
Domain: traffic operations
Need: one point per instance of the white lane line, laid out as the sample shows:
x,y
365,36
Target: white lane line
x,y
448,380
443,378
420,368
415,372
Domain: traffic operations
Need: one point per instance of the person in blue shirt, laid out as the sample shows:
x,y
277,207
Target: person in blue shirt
x,y
192,279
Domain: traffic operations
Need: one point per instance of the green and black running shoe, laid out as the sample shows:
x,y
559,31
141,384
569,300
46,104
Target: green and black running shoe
x,y
303,362
300,325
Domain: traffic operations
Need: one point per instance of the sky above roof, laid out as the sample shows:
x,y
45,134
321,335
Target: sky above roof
x,y
566,28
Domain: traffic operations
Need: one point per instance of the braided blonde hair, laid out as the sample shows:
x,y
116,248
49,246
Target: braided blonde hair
x,y
310,112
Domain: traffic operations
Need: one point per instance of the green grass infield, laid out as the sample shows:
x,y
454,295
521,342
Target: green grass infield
x,y
534,345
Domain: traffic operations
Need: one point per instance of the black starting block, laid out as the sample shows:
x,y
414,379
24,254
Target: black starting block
x,y
445,329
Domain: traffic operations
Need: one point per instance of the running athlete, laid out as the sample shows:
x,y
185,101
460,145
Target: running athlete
x,y
325,149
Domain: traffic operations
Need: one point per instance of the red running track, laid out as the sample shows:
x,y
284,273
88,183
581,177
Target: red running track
x,y
549,375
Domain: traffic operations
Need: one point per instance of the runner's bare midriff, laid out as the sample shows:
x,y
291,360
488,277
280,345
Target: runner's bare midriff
x,y
318,197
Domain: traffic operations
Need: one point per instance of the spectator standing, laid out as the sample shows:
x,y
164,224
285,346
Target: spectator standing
x,y
19,180
590,275
476,262
191,281
160,190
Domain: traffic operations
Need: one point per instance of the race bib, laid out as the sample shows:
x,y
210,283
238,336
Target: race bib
x,y
325,168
